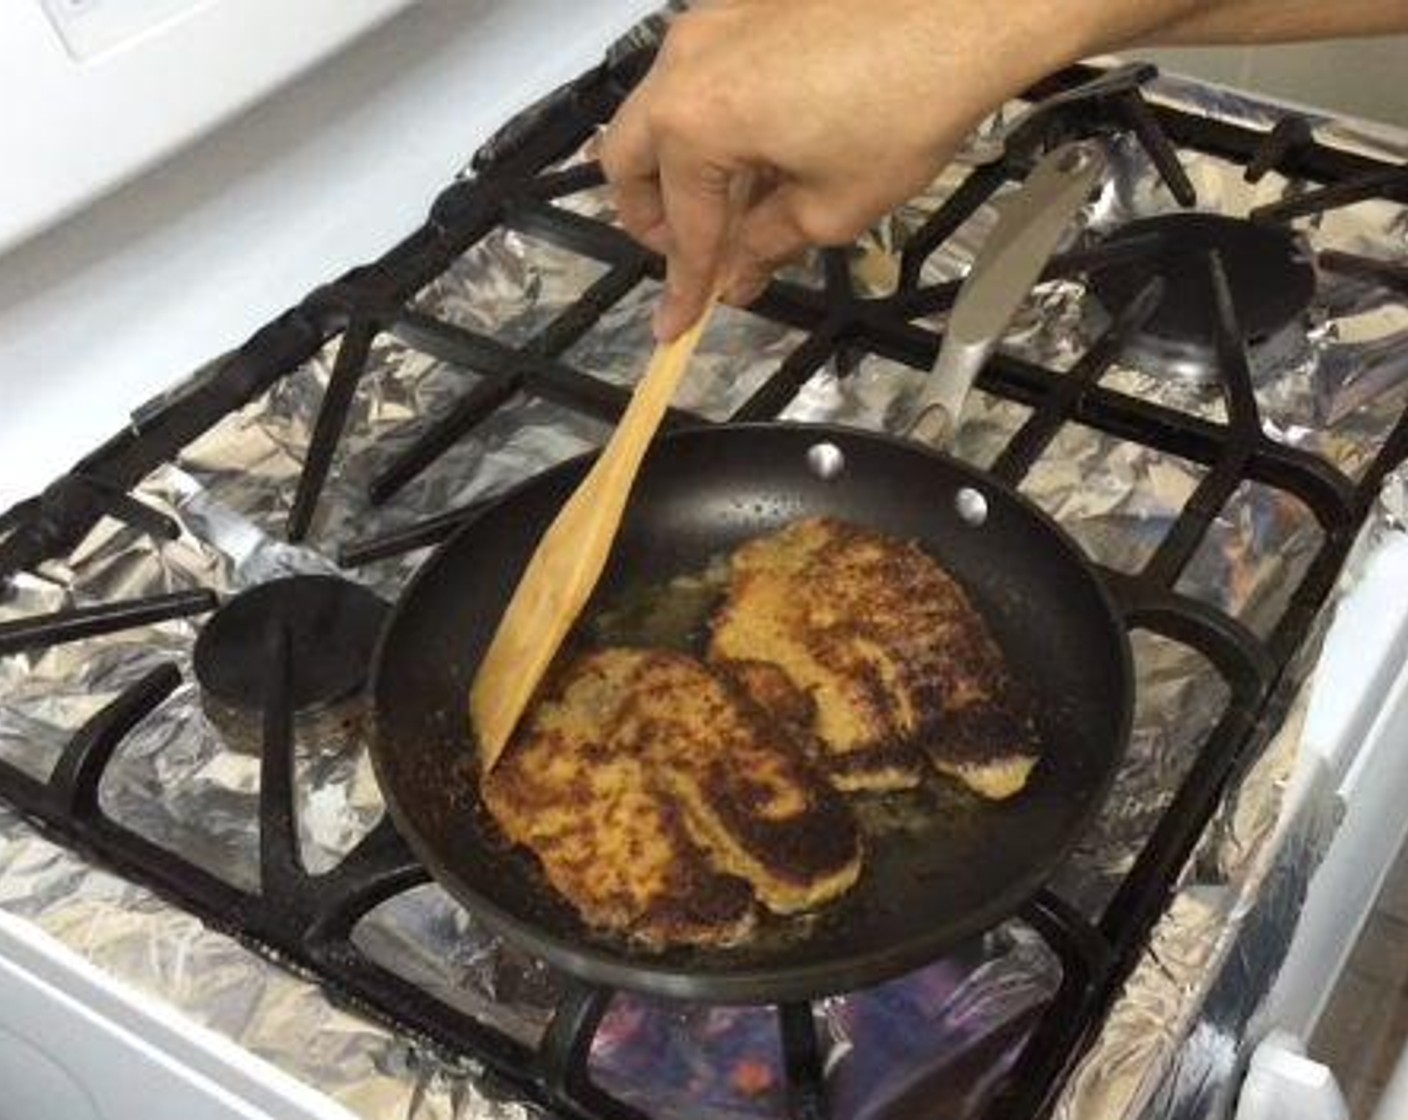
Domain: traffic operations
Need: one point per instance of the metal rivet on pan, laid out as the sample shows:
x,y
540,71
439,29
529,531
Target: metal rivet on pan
x,y
972,507
826,460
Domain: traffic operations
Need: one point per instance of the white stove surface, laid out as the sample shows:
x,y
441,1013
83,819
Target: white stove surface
x,y
113,86
77,1044
130,295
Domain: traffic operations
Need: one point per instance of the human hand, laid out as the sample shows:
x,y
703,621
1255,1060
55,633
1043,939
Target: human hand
x,y
832,112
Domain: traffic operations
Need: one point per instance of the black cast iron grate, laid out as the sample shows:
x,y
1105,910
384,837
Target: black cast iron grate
x,y
308,919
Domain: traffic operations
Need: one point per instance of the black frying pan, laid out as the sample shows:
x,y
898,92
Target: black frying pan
x,y
701,493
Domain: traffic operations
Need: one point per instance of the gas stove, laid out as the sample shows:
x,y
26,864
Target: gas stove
x,y
1207,389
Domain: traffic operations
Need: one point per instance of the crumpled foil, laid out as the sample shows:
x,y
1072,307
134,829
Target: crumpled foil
x,y
933,1043
1174,1045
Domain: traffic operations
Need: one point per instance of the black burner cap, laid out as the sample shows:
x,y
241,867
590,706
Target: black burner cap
x,y
333,626
1270,276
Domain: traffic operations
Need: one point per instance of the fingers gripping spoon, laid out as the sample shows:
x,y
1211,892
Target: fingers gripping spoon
x,y
564,570
1029,226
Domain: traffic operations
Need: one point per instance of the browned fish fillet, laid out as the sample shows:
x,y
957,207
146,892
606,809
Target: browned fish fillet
x,y
884,646
654,795
748,794
987,747
773,691
607,840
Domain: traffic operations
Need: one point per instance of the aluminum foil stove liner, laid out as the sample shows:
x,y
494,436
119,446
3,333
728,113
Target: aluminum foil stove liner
x,y
941,1036
1175,1044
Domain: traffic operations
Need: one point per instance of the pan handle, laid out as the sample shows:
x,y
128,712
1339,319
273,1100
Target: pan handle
x,y
1030,222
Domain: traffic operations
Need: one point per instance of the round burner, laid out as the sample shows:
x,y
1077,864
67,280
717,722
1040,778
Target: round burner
x,y
333,627
1268,270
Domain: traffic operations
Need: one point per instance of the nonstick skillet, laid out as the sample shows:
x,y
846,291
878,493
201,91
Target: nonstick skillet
x,y
703,492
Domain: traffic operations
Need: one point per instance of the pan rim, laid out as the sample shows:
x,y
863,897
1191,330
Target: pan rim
x,y
764,984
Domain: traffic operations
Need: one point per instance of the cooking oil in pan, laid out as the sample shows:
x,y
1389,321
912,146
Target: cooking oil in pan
x,y
906,812
670,615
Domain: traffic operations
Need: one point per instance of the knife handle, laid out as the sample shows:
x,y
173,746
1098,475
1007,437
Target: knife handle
x,y
1029,226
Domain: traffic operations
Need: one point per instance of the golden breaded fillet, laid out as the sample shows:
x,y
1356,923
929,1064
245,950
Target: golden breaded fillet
x,y
651,791
886,646
606,839
986,747
747,793
773,691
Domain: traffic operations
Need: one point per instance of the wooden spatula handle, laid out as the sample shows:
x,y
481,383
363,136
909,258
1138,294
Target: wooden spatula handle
x,y
564,570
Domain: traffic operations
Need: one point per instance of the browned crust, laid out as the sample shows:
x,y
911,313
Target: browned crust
x,y
712,785
885,647
886,766
983,732
746,790
717,801
604,838
771,689
892,766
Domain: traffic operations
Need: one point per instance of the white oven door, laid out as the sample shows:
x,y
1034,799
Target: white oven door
x,y
1357,736
75,1044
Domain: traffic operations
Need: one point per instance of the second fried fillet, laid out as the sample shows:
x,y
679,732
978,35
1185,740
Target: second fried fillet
x,y
655,796
870,642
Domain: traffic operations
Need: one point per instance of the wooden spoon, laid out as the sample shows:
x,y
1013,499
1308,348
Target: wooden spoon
x,y
564,570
